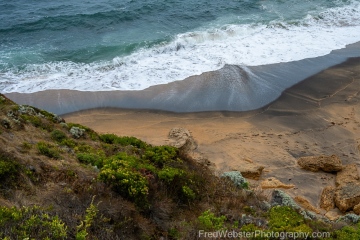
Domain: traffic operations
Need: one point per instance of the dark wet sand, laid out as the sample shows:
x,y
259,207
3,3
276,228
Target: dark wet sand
x,y
231,88
320,115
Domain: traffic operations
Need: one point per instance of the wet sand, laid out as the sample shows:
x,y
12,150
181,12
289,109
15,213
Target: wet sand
x,y
320,115
231,88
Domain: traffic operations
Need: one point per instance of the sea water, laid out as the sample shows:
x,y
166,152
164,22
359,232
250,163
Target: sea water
x,y
103,45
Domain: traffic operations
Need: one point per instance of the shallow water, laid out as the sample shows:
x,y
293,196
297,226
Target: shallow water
x,y
131,45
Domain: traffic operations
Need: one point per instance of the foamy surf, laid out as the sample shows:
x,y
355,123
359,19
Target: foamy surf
x,y
196,52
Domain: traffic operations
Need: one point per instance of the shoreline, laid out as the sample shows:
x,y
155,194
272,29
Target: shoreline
x,y
232,88
318,116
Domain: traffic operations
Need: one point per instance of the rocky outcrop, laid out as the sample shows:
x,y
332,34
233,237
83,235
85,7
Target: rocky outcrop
x,y
325,163
306,204
348,174
250,170
280,198
357,209
182,139
333,214
350,218
347,196
327,198
274,183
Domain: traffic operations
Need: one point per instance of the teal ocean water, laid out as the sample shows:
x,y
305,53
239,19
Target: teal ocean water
x,y
99,45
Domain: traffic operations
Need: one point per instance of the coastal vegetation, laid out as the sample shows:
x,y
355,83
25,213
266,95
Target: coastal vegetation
x,y
64,181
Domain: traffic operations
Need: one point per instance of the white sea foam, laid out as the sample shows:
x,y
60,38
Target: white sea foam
x,y
197,52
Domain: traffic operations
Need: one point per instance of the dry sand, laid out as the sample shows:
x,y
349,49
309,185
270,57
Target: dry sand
x,y
320,115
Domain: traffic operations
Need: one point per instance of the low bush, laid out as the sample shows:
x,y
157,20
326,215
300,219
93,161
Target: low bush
x,y
2,100
286,219
91,158
58,135
48,150
130,183
161,155
84,148
30,223
187,193
82,229
8,169
37,122
68,142
124,141
348,232
208,221
168,174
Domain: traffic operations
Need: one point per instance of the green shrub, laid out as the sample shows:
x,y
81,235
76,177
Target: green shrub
x,y
48,150
108,138
188,193
208,221
30,223
91,158
124,141
90,215
37,122
84,148
69,143
134,163
49,116
251,228
34,120
58,135
286,219
174,233
348,232
168,174
161,154
8,169
125,179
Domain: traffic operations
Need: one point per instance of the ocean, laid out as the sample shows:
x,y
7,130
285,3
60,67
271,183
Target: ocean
x,y
106,45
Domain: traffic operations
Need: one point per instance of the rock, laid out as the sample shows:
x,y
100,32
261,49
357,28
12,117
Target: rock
x,y
327,198
181,138
6,123
350,218
316,163
23,109
280,198
274,183
77,132
250,170
236,178
58,119
348,174
247,219
265,206
357,209
333,215
347,196
306,204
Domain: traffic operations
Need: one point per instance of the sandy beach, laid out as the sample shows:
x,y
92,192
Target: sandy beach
x,y
320,115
